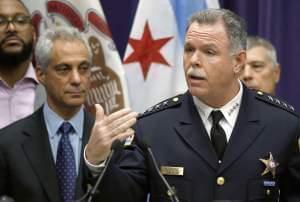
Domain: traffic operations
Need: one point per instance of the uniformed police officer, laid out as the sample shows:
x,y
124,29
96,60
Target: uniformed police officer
x,y
217,142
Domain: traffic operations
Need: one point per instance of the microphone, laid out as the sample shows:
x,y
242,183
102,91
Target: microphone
x,y
6,199
171,192
115,146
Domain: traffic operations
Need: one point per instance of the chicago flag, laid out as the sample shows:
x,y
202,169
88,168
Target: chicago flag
x,y
153,58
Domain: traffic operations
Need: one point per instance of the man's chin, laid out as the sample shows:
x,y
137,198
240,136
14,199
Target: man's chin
x,y
13,52
197,92
75,102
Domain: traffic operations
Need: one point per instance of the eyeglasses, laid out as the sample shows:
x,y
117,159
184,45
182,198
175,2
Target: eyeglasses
x,y
19,21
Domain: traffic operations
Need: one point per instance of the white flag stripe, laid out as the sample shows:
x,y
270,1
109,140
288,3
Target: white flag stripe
x,y
212,3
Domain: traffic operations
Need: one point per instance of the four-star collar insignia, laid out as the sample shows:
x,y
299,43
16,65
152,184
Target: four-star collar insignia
x,y
275,102
270,164
171,102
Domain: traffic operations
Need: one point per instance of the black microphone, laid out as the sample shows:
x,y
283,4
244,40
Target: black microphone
x,y
115,146
171,192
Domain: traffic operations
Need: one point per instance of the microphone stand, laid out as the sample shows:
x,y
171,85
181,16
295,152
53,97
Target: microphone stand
x,y
91,191
171,192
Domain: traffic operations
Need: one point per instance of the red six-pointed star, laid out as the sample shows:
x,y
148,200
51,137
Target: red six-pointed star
x,y
146,50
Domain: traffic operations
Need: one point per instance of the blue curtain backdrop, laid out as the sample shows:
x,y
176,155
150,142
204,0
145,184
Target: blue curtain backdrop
x,y
276,20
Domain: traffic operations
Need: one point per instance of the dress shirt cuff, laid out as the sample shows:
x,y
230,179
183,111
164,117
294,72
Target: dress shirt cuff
x,y
95,169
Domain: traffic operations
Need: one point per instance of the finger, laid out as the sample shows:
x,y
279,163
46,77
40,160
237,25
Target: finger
x,y
123,127
116,115
99,112
126,134
121,120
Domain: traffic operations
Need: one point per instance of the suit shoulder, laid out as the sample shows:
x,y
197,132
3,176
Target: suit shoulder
x,y
276,102
163,105
13,129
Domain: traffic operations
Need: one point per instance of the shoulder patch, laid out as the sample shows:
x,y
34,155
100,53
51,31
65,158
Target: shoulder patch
x,y
275,101
168,103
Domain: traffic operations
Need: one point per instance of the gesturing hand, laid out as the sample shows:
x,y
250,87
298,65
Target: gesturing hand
x,y
106,129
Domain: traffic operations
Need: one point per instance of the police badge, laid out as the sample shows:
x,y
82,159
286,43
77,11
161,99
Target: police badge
x,y
270,164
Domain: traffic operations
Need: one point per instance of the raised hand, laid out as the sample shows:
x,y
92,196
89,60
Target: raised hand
x,y
106,129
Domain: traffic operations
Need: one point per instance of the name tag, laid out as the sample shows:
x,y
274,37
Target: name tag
x,y
171,170
269,183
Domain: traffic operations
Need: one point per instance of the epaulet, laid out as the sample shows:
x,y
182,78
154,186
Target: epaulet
x,y
275,101
168,103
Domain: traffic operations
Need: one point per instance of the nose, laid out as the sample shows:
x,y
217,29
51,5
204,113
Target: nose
x,y
195,59
75,77
247,73
10,26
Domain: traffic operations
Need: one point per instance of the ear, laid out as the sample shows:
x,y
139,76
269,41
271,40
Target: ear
x,y
277,72
34,33
40,74
34,36
239,61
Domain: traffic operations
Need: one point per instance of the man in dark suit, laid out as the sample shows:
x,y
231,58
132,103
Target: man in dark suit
x,y
41,156
219,141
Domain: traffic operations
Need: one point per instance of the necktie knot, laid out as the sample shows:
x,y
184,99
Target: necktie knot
x,y
66,128
216,116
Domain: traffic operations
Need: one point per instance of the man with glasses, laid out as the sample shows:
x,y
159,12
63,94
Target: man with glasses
x,y
18,82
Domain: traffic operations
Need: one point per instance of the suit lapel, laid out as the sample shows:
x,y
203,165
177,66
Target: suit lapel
x,y
37,149
246,130
87,127
190,127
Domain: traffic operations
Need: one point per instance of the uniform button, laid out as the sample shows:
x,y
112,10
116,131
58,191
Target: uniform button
x,y
268,192
220,180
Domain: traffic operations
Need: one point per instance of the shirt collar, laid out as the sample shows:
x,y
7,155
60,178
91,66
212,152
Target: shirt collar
x,y
29,74
230,109
54,121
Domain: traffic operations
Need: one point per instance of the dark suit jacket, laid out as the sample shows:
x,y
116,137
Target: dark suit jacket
x,y
177,136
27,169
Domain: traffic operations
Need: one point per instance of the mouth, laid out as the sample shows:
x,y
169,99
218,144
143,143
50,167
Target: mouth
x,y
12,40
195,77
76,93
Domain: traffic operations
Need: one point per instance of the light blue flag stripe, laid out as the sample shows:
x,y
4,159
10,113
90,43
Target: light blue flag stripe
x,y
183,9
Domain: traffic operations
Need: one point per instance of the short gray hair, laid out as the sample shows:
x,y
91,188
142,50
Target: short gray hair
x,y
256,41
235,26
44,45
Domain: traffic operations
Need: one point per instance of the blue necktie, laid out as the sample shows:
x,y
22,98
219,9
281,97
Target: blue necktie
x,y
65,165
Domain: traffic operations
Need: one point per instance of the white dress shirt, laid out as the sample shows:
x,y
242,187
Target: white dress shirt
x,y
230,112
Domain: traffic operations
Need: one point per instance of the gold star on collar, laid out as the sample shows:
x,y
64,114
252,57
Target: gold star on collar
x,y
270,164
